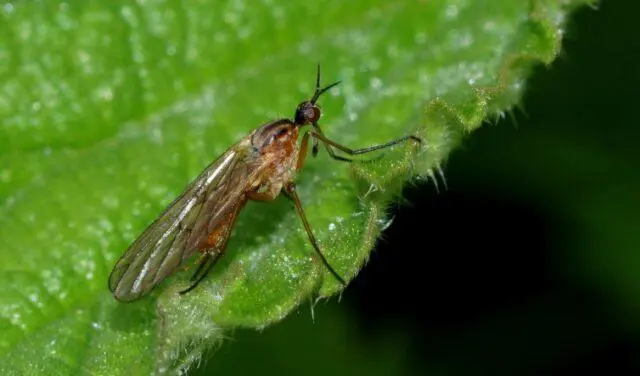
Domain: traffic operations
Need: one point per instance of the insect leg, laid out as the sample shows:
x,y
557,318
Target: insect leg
x,y
205,265
330,151
290,191
302,154
315,147
214,250
329,145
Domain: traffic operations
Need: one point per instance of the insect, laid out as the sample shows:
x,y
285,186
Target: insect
x,y
259,167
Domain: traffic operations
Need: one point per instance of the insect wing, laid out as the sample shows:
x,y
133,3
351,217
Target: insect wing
x,y
171,238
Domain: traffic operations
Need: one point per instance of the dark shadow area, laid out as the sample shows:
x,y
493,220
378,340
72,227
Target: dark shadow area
x,y
494,276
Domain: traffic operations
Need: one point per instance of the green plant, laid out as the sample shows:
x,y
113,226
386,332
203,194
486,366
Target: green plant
x,y
109,109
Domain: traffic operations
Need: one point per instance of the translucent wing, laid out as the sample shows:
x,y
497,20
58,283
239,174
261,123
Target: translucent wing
x,y
181,230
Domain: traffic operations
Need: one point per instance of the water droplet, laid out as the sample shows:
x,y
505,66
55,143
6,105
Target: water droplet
x,y
451,11
375,83
105,93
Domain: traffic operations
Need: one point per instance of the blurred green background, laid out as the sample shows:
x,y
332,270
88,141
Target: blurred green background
x,y
546,277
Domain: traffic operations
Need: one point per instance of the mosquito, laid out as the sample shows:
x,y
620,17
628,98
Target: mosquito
x,y
259,167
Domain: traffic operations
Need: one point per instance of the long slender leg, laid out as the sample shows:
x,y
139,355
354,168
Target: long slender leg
x,y
290,191
332,153
350,151
203,261
302,154
206,263
214,249
315,148
304,147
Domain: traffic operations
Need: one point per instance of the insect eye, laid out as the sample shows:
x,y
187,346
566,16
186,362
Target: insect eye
x,y
312,114
306,113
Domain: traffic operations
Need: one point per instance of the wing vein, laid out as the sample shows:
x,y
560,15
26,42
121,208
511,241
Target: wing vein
x,y
182,226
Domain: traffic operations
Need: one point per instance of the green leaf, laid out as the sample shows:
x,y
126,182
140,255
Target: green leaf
x,y
109,108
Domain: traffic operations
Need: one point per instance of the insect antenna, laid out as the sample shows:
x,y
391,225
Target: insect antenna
x,y
319,91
